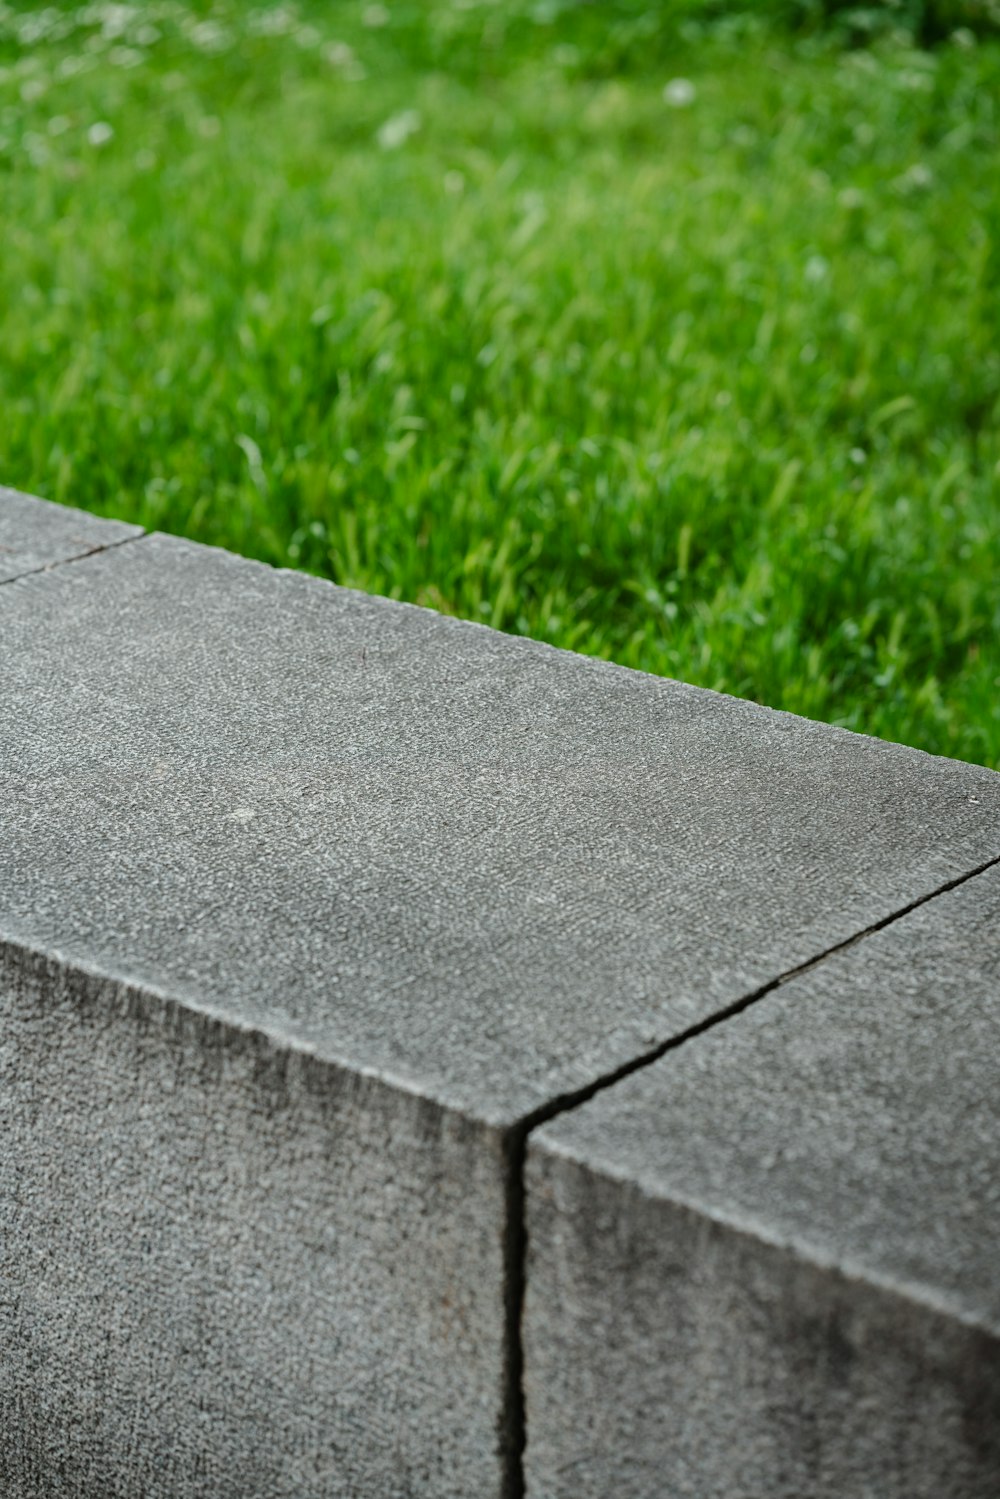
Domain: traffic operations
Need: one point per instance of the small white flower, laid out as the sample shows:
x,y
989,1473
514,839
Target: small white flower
x,y
679,93
126,57
338,54
817,269
915,179
74,64
375,16
396,130
100,133
277,22
343,57
209,36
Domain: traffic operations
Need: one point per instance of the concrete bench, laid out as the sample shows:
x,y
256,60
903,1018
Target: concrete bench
x,y
336,939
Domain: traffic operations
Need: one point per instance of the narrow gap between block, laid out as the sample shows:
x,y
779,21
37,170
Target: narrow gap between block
x,y
516,1241
49,567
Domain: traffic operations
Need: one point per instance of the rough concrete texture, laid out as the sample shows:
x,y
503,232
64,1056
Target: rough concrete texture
x,y
403,881
231,1271
35,534
766,1266
485,868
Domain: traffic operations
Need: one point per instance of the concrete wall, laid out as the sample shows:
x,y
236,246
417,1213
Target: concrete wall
x,y
335,939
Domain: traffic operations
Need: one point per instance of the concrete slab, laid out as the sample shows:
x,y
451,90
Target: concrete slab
x,y
478,866
35,534
257,830
767,1265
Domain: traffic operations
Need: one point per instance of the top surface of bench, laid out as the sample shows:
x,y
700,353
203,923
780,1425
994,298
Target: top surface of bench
x,y
486,869
35,534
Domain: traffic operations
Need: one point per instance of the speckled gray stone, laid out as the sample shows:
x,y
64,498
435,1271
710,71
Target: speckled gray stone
x,y
35,534
309,902
768,1265
487,869
230,1270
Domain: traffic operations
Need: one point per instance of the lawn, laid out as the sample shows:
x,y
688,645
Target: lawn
x,y
667,336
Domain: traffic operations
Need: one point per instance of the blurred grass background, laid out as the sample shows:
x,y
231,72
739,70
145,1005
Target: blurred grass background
x,y
666,332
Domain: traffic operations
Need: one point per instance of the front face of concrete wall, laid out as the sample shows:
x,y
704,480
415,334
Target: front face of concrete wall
x,y
766,1265
228,1272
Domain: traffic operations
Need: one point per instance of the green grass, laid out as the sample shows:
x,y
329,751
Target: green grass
x,y
447,301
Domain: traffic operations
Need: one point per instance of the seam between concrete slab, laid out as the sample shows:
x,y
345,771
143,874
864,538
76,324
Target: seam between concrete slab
x,y
516,1242
50,567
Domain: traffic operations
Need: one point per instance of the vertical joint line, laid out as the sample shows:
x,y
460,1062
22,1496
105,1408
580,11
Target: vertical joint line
x,y
512,1435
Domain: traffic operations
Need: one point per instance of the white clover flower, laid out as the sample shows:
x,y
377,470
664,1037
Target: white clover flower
x,y
338,54
74,64
916,179
277,22
114,19
126,57
376,15
679,93
396,130
209,36
343,57
100,133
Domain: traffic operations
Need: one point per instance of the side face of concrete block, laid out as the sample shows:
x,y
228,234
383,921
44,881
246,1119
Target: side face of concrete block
x,y
491,870
227,1272
35,534
766,1265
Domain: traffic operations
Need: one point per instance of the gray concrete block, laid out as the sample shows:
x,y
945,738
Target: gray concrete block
x,y
35,534
485,868
314,900
767,1265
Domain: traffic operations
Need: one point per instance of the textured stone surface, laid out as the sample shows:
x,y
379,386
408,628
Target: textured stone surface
x,y
35,534
230,1271
307,900
491,870
766,1265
